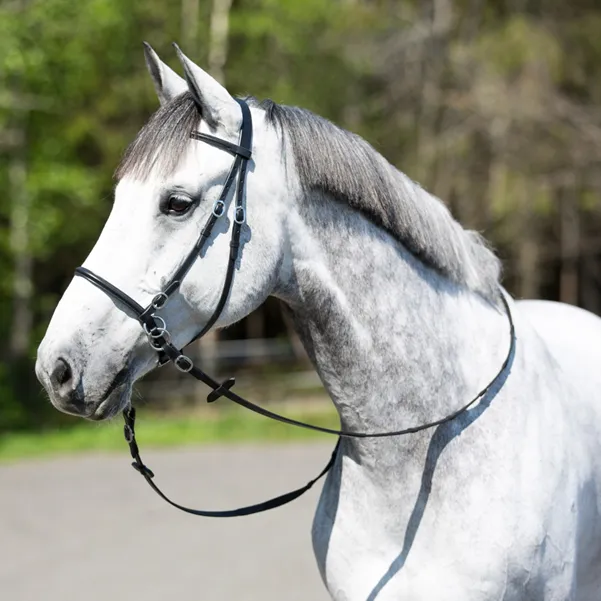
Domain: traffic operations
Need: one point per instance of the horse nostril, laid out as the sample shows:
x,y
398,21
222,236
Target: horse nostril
x,y
62,373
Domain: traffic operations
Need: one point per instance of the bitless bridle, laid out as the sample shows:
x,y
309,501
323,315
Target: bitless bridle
x,y
160,339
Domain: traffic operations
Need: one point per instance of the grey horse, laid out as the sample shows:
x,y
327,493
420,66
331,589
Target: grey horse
x,y
400,311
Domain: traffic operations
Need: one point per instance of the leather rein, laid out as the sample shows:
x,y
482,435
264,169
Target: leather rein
x,y
160,338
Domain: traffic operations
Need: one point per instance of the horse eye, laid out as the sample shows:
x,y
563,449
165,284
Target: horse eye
x,y
178,205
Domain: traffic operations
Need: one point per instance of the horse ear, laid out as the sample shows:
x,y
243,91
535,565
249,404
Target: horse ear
x,y
216,105
167,82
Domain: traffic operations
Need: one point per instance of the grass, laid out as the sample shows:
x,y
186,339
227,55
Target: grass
x,y
164,430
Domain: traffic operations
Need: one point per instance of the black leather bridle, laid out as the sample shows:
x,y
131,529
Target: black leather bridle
x,y
160,339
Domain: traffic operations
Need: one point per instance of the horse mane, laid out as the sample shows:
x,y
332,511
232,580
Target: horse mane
x,y
161,143
342,165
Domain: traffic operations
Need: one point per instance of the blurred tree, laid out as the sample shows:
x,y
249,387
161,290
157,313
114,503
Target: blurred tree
x,y
494,105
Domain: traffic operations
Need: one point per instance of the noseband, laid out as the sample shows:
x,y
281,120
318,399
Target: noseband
x,y
160,339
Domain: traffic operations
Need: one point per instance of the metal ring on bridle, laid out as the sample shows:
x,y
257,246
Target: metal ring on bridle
x,y
165,338
160,300
158,330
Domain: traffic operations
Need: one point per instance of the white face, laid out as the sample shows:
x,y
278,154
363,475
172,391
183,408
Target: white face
x,y
94,349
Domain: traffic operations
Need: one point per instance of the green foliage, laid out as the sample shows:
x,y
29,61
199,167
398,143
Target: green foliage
x,y
520,43
493,108
156,430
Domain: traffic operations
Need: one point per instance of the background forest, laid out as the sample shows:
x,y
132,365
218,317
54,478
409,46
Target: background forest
x,y
493,105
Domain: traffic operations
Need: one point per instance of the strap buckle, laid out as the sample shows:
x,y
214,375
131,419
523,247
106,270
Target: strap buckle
x,y
160,300
183,363
240,216
218,208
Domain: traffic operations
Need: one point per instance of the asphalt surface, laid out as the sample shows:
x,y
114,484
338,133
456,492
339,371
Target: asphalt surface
x,y
90,529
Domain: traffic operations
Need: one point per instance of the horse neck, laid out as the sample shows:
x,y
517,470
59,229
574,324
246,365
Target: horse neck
x,y
394,343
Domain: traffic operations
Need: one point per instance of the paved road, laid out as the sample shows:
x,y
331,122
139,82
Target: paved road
x,y
90,529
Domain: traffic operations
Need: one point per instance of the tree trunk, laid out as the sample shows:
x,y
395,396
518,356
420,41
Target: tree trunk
x,y
255,335
591,284
23,264
569,247
528,273
189,26
218,38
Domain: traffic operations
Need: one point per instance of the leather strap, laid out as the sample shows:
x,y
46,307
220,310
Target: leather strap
x,y
223,144
109,289
160,338
224,391
147,473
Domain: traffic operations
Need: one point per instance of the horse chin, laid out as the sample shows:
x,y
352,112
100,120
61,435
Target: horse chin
x,y
116,402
